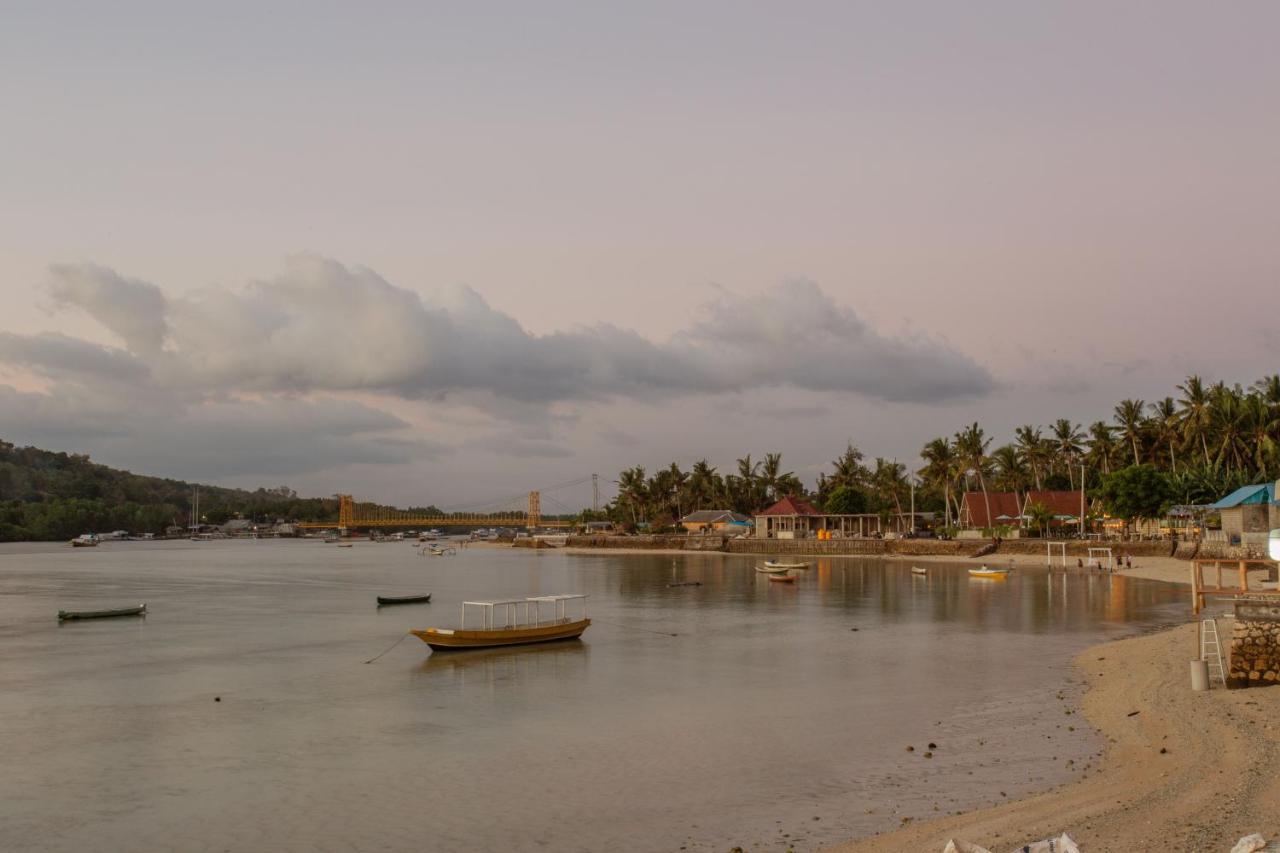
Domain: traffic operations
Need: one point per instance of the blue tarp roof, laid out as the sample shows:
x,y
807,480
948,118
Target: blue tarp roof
x,y
1259,494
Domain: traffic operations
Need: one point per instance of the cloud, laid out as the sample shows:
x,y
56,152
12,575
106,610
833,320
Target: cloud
x,y
294,374
212,439
130,308
323,326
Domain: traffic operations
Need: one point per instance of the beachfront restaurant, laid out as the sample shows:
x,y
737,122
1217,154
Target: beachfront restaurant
x,y
1007,509
794,518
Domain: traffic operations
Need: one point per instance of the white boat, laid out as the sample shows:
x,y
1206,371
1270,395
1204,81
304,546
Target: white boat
x,y
778,565
85,540
767,570
916,570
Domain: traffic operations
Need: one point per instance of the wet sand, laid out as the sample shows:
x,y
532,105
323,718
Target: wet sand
x,y
1189,771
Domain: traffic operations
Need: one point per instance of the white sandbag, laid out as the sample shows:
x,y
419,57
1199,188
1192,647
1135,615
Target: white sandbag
x,y
1061,844
1249,844
954,846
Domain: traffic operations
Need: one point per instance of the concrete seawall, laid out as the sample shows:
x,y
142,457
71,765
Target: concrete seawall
x,y
960,549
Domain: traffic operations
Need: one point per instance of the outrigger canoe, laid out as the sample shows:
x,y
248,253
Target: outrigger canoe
x,y
69,615
774,564
510,623
384,600
984,572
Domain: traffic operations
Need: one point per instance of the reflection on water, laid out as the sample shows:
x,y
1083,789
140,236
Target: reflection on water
x,y
701,717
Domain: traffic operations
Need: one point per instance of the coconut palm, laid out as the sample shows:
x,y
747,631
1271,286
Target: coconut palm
x,y
1129,418
1194,412
1166,428
1102,446
1011,471
1035,452
1066,446
940,471
772,479
971,448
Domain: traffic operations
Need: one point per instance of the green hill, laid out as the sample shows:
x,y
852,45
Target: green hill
x,y
53,496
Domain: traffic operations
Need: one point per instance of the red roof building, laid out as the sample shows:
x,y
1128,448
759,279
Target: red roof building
x,y
1006,509
790,506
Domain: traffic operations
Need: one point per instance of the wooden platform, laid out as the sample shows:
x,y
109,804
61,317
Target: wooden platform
x,y
1200,591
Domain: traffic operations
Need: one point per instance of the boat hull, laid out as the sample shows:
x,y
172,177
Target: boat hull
x,y
386,600
73,615
445,640
976,573
782,578
777,566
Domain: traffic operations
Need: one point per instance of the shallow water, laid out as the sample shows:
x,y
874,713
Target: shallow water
x,y
767,721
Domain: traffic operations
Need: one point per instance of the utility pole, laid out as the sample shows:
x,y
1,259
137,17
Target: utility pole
x,y
913,504
1082,500
595,492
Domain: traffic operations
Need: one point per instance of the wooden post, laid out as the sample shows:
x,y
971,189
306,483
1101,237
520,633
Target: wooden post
x,y
1195,587
1217,565
1244,577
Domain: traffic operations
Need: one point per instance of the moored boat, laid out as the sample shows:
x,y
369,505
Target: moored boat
x,y
85,540
985,572
510,623
778,564
782,578
384,600
69,615
916,570
766,570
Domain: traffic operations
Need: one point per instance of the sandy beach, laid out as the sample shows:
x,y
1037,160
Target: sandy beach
x,y
1188,771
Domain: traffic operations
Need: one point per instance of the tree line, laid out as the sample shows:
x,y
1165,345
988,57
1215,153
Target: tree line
x,y
1188,448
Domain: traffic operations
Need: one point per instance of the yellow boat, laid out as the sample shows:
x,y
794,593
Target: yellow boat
x,y
993,574
515,622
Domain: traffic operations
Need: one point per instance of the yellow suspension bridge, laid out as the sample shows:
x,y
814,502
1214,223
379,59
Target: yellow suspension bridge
x,y
353,515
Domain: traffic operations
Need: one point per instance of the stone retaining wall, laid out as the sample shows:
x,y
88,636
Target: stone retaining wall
x,y
818,547
1255,646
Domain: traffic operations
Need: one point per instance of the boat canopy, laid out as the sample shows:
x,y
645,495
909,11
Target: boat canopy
x,y
522,612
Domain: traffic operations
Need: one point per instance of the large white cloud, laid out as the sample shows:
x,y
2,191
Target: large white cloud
x,y
322,326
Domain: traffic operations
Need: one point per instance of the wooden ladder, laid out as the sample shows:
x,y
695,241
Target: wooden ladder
x,y
1211,649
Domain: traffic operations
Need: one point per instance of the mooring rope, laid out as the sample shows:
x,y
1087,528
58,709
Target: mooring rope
x,y
390,647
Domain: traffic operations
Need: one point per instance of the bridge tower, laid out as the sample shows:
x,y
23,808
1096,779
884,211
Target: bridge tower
x,y
535,509
346,512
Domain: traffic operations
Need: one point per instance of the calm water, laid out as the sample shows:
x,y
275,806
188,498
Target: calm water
x,y
765,712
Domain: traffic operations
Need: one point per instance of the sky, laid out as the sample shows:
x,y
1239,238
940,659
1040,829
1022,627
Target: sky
x,y
447,253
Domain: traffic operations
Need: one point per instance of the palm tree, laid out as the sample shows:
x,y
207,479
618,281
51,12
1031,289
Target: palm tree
x,y
632,487
1102,446
1035,452
1066,444
971,448
1229,428
1011,472
1130,419
889,480
1194,412
1165,423
1259,425
940,470
771,477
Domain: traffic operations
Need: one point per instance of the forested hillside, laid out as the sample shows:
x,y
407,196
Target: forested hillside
x,y
50,496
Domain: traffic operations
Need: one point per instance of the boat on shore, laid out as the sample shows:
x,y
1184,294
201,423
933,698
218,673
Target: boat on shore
x,y
72,615
85,540
514,622
782,578
385,600
784,566
986,572
440,551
